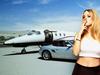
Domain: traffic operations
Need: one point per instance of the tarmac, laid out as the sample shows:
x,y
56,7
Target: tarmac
x,y
12,62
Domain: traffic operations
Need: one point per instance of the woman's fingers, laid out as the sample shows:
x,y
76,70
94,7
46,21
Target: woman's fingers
x,y
84,23
85,27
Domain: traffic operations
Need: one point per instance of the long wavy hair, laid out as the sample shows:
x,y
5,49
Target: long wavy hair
x,y
95,28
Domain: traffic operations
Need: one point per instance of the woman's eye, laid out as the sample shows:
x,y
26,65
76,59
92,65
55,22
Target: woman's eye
x,y
83,17
89,16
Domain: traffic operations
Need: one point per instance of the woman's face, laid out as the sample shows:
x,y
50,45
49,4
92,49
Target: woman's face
x,y
87,18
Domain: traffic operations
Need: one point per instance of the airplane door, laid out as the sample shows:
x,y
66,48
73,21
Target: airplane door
x,y
48,36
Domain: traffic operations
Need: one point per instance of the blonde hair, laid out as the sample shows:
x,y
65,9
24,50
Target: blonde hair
x,y
95,28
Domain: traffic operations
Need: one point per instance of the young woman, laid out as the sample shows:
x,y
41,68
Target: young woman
x,y
87,45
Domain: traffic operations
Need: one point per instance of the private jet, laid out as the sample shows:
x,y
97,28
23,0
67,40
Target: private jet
x,y
40,38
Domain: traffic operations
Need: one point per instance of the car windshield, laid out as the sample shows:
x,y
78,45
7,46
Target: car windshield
x,y
69,43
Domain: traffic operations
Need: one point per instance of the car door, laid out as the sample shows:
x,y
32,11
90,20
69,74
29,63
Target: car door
x,y
68,51
59,51
64,50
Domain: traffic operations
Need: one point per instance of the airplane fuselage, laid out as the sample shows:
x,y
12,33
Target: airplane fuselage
x,y
39,38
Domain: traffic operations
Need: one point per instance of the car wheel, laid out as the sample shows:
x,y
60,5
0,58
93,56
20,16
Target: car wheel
x,y
23,51
46,55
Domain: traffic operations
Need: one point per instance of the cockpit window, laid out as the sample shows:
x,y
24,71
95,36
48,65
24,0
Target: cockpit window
x,y
29,33
38,32
34,32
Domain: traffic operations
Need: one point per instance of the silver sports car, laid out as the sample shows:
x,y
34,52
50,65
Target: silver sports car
x,y
59,49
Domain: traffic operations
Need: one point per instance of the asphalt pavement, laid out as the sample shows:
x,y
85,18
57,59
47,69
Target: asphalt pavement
x,y
12,62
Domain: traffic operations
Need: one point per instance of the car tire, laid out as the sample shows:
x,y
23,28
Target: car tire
x,y
46,55
23,51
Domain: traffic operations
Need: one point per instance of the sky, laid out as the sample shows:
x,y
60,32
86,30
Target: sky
x,y
19,15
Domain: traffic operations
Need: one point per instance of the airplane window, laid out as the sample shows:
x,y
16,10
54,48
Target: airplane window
x,y
60,34
64,34
55,34
30,33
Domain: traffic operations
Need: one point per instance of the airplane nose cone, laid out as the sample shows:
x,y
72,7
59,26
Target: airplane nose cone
x,y
7,42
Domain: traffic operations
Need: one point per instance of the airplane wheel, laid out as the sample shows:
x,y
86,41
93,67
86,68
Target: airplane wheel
x,y
46,55
23,51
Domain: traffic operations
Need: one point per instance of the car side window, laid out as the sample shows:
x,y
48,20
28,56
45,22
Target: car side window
x,y
59,43
67,43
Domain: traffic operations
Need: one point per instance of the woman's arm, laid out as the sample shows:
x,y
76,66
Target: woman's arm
x,y
76,46
77,40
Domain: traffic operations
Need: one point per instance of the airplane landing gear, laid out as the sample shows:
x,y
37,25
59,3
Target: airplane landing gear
x,y
23,51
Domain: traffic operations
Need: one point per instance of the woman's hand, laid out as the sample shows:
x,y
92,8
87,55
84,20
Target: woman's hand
x,y
83,28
